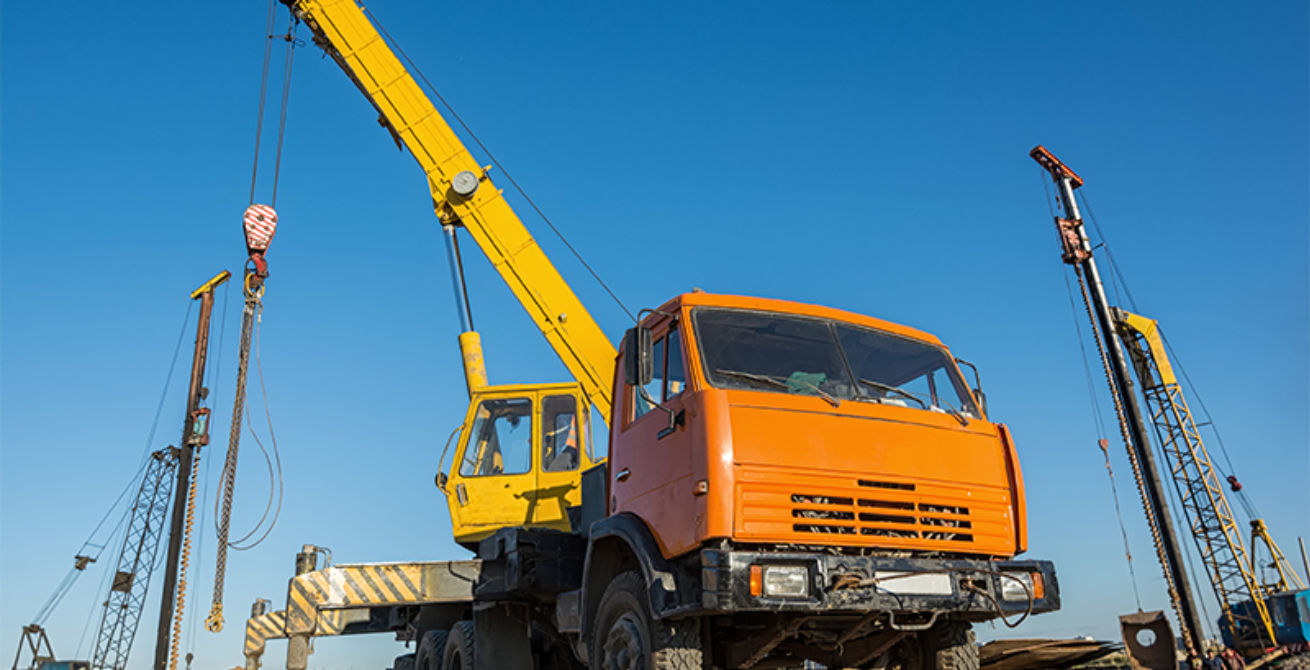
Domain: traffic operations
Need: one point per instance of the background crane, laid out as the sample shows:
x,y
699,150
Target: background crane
x,y
1244,599
136,563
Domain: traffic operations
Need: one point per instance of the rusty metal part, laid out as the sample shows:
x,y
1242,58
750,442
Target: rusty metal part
x,y
1149,641
1071,243
783,633
1054,165
195,425
1041,654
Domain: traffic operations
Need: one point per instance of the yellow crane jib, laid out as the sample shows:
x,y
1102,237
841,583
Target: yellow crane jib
x,y
1212,522
462,193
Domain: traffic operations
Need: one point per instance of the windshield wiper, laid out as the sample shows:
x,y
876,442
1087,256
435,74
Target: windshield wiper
x,y
754,378
955,413
893,389
764,379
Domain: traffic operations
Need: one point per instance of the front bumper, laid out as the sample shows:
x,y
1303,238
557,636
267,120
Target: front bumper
x,y
970,589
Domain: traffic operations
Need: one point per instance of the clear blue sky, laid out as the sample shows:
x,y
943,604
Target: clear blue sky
x,y
868,156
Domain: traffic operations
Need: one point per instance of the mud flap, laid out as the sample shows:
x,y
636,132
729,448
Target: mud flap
x,y
502,635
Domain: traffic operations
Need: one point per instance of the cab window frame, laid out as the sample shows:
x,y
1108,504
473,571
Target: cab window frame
x,y
660,350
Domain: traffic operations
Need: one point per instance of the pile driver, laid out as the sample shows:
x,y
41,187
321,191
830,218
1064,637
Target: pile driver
x,y
1256,614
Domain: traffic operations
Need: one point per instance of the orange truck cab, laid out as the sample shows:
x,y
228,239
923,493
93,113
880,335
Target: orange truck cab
x,y
797,482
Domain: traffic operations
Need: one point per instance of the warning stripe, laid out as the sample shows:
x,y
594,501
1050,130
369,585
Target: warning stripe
x,y
369,578
363,596
331,622
262,628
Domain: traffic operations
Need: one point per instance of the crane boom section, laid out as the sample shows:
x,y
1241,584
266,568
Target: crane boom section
x,y
1213,524
343,30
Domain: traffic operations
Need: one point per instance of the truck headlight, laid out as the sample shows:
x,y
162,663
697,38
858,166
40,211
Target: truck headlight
x,y
1013,585
786,581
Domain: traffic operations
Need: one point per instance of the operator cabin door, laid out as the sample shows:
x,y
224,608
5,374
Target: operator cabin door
x,y
562,456
492,483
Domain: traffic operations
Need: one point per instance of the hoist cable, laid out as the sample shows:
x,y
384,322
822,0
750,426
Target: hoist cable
x,y
214,623
1102,443
65,584
58,595
217,376
1194,394
112,540
276,462
1153,523
282,116
414,67
1096,406
263,95
1114,265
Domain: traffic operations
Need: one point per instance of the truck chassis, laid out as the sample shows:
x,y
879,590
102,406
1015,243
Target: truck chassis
x,y
548,599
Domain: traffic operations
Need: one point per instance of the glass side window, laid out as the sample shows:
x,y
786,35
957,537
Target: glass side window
x,y
500,442
645,398
559,433
676,372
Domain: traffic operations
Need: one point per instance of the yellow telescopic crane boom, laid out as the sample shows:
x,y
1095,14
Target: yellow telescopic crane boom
x,y
463,195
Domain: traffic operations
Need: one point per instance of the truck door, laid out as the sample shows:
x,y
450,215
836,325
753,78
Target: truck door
x,y
491,482
653,462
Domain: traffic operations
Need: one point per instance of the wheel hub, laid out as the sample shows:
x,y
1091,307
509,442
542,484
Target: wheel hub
x,y
624,648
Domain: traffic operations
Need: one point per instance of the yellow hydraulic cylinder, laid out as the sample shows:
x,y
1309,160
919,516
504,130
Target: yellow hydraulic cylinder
x,y
475,368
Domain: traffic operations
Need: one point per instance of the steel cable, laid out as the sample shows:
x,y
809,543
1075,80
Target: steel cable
x,y
1139,478
263,95
275,462
223,512
282,116
492,157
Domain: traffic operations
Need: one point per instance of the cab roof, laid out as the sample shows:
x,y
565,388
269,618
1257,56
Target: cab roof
x,y
702,299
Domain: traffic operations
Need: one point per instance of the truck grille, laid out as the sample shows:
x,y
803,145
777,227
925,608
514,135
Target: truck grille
x,y
814,513
805,506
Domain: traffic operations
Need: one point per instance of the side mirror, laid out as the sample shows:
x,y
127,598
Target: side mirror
x,y
638,357
441,481
982,400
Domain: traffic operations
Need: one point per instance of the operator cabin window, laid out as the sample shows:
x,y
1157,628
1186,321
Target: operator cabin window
x,y
559,433
669,379
500,442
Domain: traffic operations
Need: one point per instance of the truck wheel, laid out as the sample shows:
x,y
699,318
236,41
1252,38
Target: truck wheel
x,y
949,646
430,648
626,638
403,662
458,654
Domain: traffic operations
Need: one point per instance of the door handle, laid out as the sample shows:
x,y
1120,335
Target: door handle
x,y
461,494
622,475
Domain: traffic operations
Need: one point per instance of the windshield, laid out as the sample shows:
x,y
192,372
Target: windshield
x,y
766,351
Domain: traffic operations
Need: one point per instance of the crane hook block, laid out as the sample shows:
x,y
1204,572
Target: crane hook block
x,y
260,223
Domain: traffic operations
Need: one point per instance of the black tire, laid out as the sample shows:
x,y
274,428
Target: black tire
x,y
626,638
948,646
458,654
404,662
431,647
